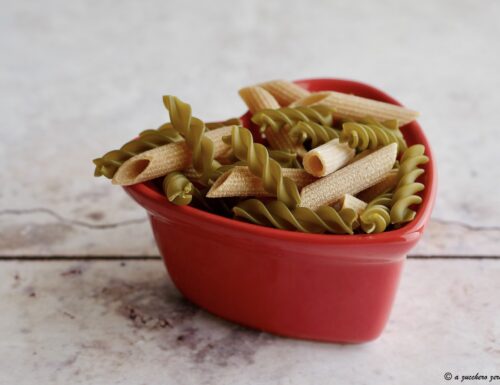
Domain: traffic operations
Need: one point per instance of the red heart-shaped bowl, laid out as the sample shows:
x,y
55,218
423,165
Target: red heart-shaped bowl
x,y
322,287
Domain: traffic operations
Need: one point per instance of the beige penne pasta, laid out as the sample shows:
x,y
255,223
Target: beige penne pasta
x,y
239,181
350,202
257,98
386,184
356,107
284,92
164,159
351,179
327,158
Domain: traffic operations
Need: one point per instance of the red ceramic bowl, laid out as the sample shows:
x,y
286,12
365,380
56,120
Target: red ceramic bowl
x,y
322,287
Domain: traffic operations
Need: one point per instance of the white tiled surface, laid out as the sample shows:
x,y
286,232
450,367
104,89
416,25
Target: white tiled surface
x,y
78,78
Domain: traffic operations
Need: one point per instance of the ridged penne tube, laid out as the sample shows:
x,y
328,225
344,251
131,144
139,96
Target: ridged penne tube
x,y
277,214
351,202
259,163
257,98
387,184
351,179
164,159
407,188
375,218
327,158
239,181
284,92
112,160
355,107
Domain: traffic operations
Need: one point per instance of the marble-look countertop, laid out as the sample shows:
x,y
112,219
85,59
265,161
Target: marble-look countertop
x,y
122,322
85,298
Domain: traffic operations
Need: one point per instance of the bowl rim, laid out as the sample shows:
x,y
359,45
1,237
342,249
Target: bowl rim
x,y
402,234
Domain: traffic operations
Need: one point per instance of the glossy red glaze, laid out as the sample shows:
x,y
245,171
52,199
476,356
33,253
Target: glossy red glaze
x,y
324,287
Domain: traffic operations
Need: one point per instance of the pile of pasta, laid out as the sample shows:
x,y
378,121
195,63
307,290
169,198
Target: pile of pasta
x,y
322,162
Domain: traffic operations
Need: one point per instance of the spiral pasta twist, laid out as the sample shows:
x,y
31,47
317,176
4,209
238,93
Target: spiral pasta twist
x,y
404,195
289,116
277,214
317,133
112,160
192,129
371,134
375,218
260,164
178,189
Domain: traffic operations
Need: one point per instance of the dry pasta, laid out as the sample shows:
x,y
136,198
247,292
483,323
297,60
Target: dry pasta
x,y
109,163
259,163
178,189
351,179
284,92
239,181
164,159
278,118
315,132
371,135
277,214
327,158
375,218
347,181
192,129
404,195
257,98
355,107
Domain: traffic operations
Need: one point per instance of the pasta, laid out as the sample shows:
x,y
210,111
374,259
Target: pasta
x,y
278,118
162,160
112,160
277,214
261,165
327,158
316,133
192,129
375,218
350,202
284,92
310,176
355,107
239,181
385,185
371,135
404,195
351,179
178,189
257,98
